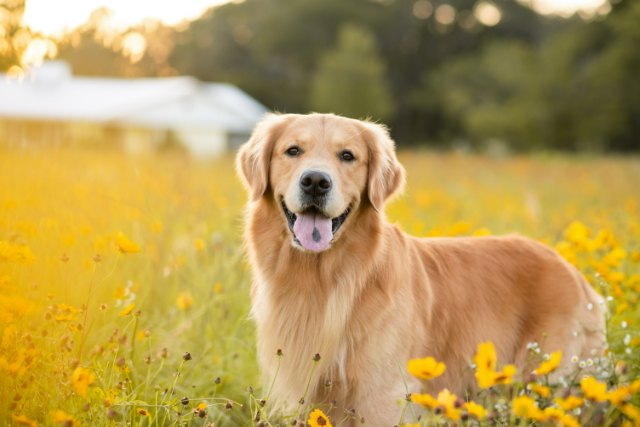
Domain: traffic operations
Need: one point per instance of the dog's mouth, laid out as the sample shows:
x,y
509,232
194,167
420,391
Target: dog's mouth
x,y
311,229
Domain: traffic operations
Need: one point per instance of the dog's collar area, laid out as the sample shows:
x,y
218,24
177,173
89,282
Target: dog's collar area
x,y
336,222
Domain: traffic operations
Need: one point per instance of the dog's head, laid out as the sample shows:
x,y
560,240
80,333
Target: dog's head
x,y
319,169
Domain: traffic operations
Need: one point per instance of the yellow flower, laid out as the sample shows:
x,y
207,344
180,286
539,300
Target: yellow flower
x,y
485,358
550,365
22,420
475,410
66,313
459,228
425,400
567,251
184,300
486,378
201,406
615,257
448,400
569,421
526,407
199,245
569,403
126,245
631,411
217,288
540,390
577,232
484,231
619,395
127,310
553,414
506,375
81,379
486,362
427,368
61,417
120,292
317,418
605,238
560,418
143,412
594,389
15,252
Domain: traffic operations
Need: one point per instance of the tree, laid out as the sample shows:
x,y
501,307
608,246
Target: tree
x,y
609,103
350,79
14,38
94,49
484,96
270,48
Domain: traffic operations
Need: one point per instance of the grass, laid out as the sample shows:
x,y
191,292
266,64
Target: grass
x,y
113,268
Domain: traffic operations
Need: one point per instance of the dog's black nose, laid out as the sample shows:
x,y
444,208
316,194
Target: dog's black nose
x,y
315,183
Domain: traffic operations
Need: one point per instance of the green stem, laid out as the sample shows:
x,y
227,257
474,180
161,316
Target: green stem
x,y
273,381
306,389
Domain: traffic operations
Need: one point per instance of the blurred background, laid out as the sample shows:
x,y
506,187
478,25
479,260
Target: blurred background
x,y
121,215
492,76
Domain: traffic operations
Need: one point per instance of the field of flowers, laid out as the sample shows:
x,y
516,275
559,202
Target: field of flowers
x,y
124,292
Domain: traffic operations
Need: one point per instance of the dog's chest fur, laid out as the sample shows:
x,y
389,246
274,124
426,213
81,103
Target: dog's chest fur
x,y
304,317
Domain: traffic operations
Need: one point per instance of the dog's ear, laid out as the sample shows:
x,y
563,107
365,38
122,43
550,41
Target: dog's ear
x,y
253,158
386,175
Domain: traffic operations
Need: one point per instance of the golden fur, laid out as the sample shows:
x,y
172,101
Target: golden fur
x,y
378,297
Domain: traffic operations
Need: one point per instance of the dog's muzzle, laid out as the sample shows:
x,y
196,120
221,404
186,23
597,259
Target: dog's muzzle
x,y
311,228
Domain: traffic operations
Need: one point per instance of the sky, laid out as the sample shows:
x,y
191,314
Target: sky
x,y
567,7
53,17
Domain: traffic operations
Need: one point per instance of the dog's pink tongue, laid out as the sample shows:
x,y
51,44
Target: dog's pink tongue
x,y
313,231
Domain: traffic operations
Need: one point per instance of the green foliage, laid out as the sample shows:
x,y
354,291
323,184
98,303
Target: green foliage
x,y
351,78
611,99
529,82
489,95
575,91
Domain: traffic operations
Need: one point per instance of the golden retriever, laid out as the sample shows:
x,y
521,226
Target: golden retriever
x,y
333,277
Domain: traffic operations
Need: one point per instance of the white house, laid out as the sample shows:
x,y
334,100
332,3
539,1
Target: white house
x,y
51,106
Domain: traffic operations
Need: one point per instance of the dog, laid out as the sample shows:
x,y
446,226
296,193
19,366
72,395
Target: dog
x,y
332,278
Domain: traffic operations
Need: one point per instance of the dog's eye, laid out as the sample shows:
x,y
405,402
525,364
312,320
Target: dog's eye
x,y
293,151
347,156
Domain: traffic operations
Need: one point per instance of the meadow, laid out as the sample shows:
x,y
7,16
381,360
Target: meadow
x,y
124,291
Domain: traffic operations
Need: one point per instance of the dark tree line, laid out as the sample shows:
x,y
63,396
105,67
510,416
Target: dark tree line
x,y
435,76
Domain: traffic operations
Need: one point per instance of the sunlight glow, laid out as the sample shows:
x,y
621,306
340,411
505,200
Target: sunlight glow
x,y
569,7
37,50
422,9
57,17
487,13
445,14
133,46
15,73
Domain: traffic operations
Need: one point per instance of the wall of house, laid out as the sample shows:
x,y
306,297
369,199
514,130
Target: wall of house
x,y
203,142
136,140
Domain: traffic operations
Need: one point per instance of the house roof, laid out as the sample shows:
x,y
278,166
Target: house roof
x,y
52,93
210,105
